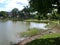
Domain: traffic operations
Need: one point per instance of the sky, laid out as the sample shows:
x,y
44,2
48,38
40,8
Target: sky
x,y
8,5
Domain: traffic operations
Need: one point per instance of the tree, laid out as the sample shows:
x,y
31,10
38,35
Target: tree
x,y
3,14
15,12
44,6
21,14
26,11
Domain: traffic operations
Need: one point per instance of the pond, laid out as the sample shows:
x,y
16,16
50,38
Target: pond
x,y
10,29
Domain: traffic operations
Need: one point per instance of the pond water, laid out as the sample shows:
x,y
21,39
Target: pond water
x,y
9,30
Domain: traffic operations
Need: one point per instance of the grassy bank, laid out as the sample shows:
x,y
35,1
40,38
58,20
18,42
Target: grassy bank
x,y
42,21
30,32
32,20
50,36
13,19
50,39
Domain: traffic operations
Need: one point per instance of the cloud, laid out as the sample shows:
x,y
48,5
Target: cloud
x,y
1,1
10,4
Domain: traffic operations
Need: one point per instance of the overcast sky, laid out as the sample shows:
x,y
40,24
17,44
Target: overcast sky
x,y
8,5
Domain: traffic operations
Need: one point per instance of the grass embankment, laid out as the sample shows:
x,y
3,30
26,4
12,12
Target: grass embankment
x,y
51,36
42,21
30,32
35,31
50,39
13,19
31,20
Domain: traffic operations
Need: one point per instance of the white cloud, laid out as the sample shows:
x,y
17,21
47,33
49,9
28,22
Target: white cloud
x,y
14,4
1,1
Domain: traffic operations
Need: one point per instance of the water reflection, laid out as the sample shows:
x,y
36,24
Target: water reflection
x,y
9,30
37,25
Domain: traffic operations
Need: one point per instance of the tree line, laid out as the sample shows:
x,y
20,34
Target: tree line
x,y
37,9
15,13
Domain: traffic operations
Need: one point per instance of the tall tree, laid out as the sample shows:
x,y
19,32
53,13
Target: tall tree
x,y
15,12
21,14
44,6
3,14
26,11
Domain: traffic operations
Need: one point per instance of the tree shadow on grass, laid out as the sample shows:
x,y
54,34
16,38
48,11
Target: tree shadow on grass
x,y
48,41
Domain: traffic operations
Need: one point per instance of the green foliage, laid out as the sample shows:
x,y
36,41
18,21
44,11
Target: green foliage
x,y
15,12
26,11
51,39
45,6
41,6
30,32
36,16
3,13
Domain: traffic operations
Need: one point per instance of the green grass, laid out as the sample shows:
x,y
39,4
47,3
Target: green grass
x,y
42,21
35,20
50,39
51,25
51,36
30,32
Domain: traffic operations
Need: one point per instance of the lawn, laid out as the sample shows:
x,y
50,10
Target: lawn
x,y
49,39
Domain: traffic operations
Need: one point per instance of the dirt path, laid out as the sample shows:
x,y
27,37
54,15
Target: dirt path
x,y
23,42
